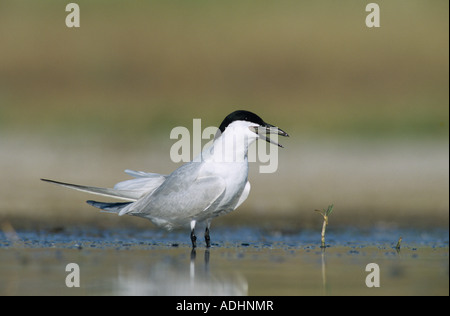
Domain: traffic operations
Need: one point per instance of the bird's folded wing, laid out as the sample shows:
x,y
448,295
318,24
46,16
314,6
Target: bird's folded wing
x,y
180,199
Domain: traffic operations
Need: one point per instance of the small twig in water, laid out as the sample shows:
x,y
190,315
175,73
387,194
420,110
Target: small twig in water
x,y
398,244
325,214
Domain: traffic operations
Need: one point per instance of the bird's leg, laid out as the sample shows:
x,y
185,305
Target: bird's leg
x,y
193,237
207,238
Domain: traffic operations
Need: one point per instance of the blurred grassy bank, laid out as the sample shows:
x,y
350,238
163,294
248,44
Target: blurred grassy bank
x,y
76,104
312,66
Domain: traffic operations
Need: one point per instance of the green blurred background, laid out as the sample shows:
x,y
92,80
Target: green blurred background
x,y
367,108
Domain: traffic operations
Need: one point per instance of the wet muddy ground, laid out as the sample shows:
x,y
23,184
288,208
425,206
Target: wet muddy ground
x,y
242,261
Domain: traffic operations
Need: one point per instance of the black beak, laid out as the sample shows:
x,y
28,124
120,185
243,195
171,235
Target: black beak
x,y
265,131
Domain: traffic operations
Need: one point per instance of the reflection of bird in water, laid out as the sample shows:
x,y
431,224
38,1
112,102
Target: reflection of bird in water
x,y
192,265
170,277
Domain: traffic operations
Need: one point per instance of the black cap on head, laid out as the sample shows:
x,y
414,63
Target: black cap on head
x,y
241,115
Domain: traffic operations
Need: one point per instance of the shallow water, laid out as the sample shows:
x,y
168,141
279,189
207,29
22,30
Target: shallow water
x,y
242,261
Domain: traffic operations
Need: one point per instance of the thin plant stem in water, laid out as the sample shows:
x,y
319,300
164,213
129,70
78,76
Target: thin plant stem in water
x,y
397,248
325,213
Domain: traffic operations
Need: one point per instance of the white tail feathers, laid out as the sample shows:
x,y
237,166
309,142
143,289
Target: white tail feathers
x,y
129,195
109,207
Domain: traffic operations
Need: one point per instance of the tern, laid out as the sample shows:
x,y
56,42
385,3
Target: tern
x,y
211,185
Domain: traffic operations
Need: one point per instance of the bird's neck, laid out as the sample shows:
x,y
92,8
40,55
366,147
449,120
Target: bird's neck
x,y
230,147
